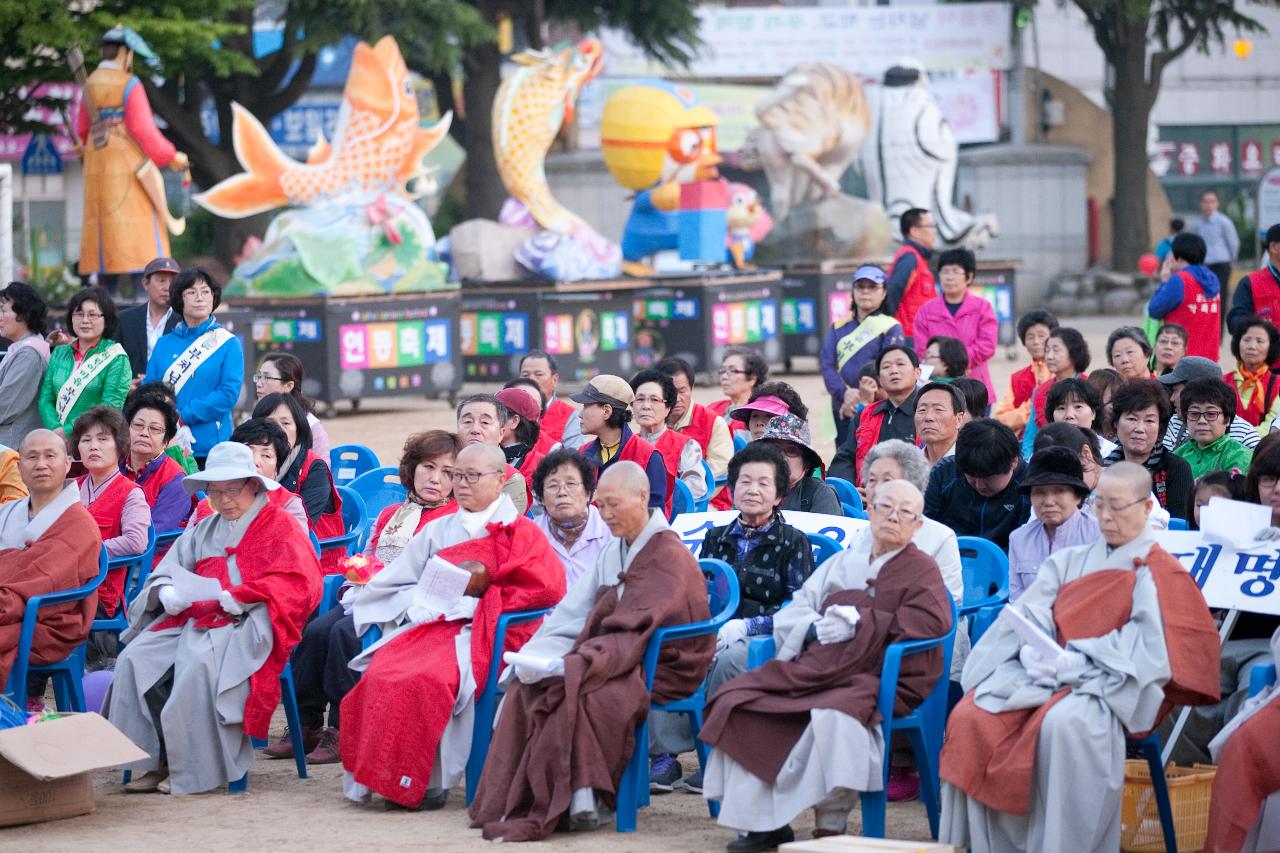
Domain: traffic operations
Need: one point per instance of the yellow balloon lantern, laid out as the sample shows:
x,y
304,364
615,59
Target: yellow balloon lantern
x,y
1242,48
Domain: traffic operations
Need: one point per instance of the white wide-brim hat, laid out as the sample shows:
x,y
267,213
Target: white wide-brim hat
x,y
227,461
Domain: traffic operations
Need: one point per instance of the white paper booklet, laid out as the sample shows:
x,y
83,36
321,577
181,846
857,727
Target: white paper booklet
x,y
193,587
442,584
1233,523
546,666
1031,634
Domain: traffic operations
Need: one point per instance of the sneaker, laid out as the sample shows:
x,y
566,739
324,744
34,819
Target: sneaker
x,y
283,748
754,842
904,784
664,772
326,750
149,782
691,784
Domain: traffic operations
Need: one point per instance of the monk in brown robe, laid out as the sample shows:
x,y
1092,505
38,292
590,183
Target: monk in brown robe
x,y
566,731
1033,757
803,731
48,543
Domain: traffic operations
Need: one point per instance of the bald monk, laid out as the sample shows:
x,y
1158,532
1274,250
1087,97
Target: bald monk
x,y
1034,753
406,726
564,736
48,543
803,731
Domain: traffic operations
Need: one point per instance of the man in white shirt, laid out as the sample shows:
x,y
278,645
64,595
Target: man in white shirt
x,y
142,325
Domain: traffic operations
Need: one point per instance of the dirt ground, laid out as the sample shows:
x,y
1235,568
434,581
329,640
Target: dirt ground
x,y
281,811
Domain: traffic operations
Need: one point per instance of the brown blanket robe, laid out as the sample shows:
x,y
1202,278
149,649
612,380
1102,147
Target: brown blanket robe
x,y
63,558
991,757
561,734
758,717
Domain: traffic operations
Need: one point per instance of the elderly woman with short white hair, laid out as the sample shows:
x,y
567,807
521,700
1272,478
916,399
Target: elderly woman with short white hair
x,y
211,631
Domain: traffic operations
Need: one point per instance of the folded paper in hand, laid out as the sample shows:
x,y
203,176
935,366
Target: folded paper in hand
x,y
442,585
546,666
1233,523
193,587
1031,634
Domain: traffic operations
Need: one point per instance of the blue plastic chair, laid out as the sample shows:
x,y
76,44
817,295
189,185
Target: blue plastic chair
x,y
349,461
355,518
824,547
138,567
703,503
1178,523
168,537
923,726
329,600
985,569
1149,748
681,500
849,497
1261,677
379,489
633,790
68,673
739,441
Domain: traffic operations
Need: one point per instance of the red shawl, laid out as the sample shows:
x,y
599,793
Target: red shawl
x,y
65,557
1248,773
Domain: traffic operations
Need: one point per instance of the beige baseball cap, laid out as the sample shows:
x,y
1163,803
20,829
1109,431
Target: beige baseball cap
x,y
607,389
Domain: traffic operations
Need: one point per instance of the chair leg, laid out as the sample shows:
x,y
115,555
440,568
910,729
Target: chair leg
x,y
643,797
704,755
873,810
238,786
75,691
928,773
628,804
292,717
1151,752
481,735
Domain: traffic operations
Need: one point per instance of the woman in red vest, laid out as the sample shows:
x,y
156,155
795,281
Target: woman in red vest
x,y
153,422
520,431
115,502
1256,346
606,412
306,474
655,396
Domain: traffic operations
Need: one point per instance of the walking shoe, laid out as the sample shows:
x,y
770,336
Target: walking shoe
x,y
904,784
664,772
283,748
326,750
754,842
149,782
431,801
163,787
691,784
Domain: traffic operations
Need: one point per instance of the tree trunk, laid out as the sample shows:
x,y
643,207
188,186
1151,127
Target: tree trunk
x,y
485,192
1131,100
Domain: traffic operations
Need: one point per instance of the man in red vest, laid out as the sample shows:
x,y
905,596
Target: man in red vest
x,y
541,367
911,282
606,412
1190,297
1259,292
697,421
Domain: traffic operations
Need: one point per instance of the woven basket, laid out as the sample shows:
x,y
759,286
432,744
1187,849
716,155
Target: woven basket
x,y
1189,789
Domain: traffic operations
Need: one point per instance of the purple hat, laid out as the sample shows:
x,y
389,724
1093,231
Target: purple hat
x,y
768,404
871,272
794,430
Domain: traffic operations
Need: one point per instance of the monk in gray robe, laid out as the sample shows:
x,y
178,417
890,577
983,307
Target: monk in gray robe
x,y
1034,754
803,731
199,677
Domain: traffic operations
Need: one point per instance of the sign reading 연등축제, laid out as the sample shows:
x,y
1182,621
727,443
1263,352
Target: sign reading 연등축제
x,y
1230,579
692,527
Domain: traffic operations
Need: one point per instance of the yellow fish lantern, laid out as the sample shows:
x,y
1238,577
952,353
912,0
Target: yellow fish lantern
x,y
658,135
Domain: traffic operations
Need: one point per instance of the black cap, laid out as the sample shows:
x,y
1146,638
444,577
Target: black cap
x,y
1273,235
1055,466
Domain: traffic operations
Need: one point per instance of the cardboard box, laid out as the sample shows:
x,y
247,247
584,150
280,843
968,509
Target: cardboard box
x,y
46,769
858,844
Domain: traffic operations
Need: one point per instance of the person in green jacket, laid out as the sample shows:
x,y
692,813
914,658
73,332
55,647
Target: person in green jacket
x,y
92,370
1207,406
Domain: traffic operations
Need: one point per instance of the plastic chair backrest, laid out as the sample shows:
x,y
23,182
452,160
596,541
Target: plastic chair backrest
x,y
824,547
379,488
355,520
1261,677
315,542
722,601
739,441
847,495
139,566
349,461
702,504
1178,524
681,499
985,570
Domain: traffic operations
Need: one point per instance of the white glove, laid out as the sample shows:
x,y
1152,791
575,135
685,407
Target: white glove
x,y
527,674
229,604
463,608
184,439
847,612
1069,661
172,603
1267,534
833,628
1042,672
421,614
730,633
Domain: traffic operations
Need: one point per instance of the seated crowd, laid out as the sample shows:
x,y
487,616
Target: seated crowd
x,y
533,504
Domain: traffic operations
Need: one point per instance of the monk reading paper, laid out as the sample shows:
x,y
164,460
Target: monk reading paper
x,y
406,726
564,738
48,543
201,672
803,730
1033,757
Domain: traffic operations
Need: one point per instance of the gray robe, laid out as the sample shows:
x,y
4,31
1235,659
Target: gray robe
x,y
202,721
1079,762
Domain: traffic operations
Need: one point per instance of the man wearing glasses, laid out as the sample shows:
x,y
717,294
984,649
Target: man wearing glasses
x,y
406,726
480,421
1034,755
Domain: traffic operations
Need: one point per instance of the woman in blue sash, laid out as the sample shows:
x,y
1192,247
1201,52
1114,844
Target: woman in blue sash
x,y
201,361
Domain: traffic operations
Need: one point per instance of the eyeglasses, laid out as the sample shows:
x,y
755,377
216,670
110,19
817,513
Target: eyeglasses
x,y
225,494
143,429
891,511
556,487
470,477
729,371
266,377
649,401
197,292
1100,508
86,315
1207,415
